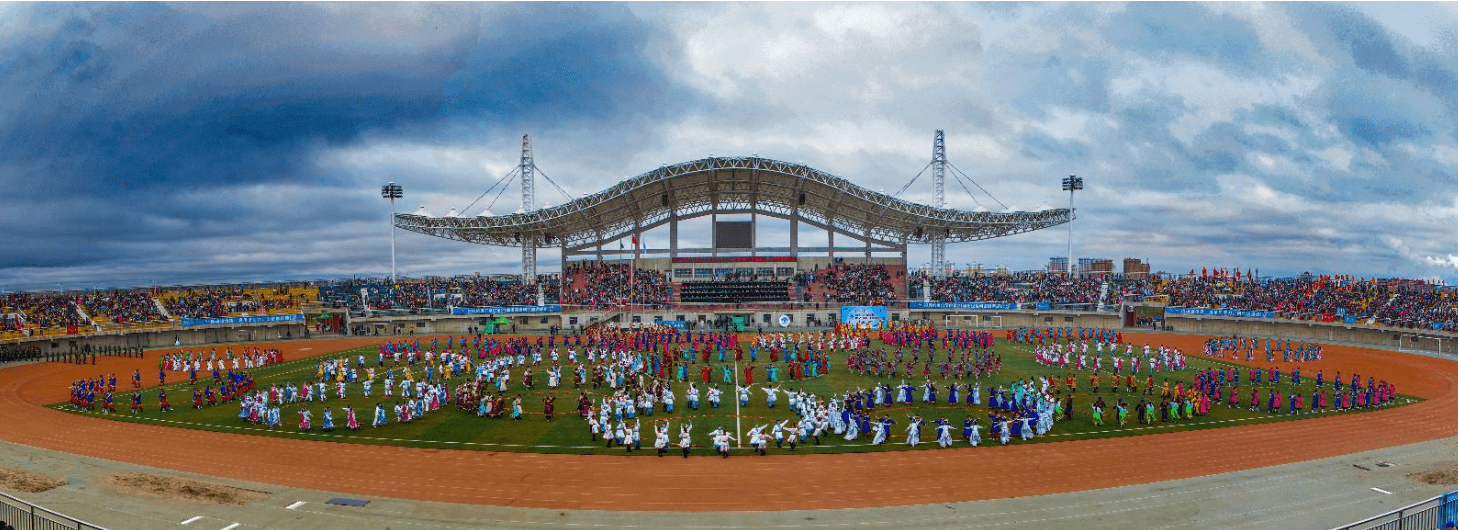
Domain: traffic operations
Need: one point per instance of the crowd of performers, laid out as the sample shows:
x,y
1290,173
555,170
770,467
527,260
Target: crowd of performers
x,y
1024,411
193,362
338,377
1211,386
223,389
633,374
1021,412
229,380
1290,351
632,366
1223,385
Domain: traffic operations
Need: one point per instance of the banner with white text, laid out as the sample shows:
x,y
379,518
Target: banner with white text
x,y
262,319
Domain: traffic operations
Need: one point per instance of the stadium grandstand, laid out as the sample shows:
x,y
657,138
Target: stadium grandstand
x,y
604,279
1371,302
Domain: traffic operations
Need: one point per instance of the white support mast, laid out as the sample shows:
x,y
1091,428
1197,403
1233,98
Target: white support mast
x,y
939,167
528,181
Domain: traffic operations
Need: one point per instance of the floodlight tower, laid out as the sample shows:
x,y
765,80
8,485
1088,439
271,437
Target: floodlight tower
x,y
392,191
528,181
939,175
1071,184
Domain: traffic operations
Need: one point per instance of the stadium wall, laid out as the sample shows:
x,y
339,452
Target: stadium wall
x,y
172,337
768,320
1317,331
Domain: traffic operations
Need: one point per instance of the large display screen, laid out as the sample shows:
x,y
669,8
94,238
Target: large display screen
x,y
734,234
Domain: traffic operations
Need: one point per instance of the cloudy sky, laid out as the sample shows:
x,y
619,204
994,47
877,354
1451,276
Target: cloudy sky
x,y
148,143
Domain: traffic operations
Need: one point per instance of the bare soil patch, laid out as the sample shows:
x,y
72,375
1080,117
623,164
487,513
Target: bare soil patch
x,y
1442,475
183,489
27,482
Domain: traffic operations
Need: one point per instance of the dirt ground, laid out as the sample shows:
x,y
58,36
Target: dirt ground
x,y
1443,475
181,489
27,482
596,482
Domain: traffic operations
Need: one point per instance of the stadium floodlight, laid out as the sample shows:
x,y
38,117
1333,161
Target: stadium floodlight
x,y
392,191
1071,184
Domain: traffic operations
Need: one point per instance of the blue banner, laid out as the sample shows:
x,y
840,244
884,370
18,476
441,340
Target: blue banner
x,y
263,319
1450,506
516,309
1201,311
874,315
675,324
1349,319
974,306
1042,306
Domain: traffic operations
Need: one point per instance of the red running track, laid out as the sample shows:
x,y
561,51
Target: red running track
x,y
602,482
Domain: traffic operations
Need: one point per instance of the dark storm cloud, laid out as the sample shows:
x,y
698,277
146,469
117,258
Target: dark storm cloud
x,y
1372,48
1182,29
149,122
144,142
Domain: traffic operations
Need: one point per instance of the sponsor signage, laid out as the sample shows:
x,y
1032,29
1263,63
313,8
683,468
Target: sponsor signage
x,y
873,316
1201,311
738,259
506,310
263,319
972,306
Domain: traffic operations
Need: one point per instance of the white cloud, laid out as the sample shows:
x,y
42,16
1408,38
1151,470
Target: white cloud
x,y
1275,29
1450,260
856,90
1210,94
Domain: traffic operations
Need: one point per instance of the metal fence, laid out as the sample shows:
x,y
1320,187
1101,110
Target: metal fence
x,y
1431,514
26,516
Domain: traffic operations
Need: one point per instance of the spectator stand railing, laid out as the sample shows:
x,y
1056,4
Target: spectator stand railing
x,y
26,516
1431,514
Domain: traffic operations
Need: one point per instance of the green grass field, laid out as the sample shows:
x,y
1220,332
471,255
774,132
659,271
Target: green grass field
x,y
451,428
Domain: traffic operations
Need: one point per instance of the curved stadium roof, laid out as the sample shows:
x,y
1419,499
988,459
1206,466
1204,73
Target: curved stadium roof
x,y
733,185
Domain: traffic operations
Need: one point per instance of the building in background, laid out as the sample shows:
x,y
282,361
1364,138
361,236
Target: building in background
x,y
1136,268
1095,267
1058,264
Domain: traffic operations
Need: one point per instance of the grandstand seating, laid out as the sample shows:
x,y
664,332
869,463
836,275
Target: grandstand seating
x,y
855,284
1396,303
438,293
120,307
733,292
213,301
593,285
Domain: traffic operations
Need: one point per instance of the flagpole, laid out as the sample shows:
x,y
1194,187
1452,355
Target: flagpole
x,y
632,278
738,440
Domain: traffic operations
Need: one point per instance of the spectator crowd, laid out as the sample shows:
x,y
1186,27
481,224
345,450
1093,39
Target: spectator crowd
x,y
122,307
607,285
599,285
221,301
1391,302
440,293
852,284
42,310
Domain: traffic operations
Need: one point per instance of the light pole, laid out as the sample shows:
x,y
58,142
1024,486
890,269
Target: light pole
x,y
392,191
1071,184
